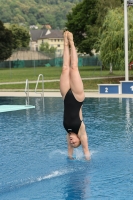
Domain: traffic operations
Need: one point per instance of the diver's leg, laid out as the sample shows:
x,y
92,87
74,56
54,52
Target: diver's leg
x,y
76,83
64,79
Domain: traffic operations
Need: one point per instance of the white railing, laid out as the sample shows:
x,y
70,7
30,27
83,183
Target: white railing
x,y
42,93
27,91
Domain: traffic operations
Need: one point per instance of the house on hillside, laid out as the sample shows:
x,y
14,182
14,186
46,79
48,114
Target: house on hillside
x,y
52,37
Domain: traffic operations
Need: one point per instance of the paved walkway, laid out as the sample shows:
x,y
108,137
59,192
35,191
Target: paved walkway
x,y
57,80
57,94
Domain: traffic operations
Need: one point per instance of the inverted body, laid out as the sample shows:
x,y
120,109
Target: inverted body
x,y
72,121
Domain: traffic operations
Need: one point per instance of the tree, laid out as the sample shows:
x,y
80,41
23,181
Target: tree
x,y
5,42
85,20
104,6
30,10
82,15
112,38
45,47
21,37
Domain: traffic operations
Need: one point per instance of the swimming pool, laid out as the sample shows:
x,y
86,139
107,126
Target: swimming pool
x,y
33,152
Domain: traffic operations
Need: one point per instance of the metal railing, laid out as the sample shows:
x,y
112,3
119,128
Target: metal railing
x,y
27,91
42,93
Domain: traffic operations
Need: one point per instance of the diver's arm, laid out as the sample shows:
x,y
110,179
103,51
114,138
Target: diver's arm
x,y
84,141
70,148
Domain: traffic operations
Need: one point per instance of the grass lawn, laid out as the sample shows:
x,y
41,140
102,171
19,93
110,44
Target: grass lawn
x,y
50,73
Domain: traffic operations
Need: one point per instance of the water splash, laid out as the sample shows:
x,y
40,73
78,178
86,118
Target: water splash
x,y
56,152
78,154
52,175
10,186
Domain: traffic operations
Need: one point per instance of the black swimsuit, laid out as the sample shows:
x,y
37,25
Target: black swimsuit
x,y
72,107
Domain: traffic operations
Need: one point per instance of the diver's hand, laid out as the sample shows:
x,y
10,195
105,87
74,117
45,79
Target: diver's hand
x,y
70,157
88,156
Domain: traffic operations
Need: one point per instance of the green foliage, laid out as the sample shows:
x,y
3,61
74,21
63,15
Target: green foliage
x,y
82,15
45,47
85,20
21,36
112,38
104,6
34,12
5,42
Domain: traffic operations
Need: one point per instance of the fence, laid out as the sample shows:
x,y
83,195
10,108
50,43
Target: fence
x,y
27,58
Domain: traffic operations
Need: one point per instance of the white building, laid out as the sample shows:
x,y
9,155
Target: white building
x,y
53,37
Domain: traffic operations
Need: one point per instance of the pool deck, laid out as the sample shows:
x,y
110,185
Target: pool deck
x,y
56,93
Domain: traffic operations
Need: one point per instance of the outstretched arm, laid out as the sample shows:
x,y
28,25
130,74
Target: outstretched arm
x,y
70,148
84,141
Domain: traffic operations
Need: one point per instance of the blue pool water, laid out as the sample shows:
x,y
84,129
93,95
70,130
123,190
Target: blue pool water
x,y
33,152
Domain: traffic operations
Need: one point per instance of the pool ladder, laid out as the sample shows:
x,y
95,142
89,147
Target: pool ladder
x,y
42,93
27,92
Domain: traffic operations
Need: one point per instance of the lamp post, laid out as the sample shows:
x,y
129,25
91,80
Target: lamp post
x,y
126,40
126,4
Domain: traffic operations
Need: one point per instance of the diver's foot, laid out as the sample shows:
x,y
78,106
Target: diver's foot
x,y
70,38
66,42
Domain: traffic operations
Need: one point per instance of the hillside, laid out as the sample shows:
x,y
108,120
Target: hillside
x,y
36,12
